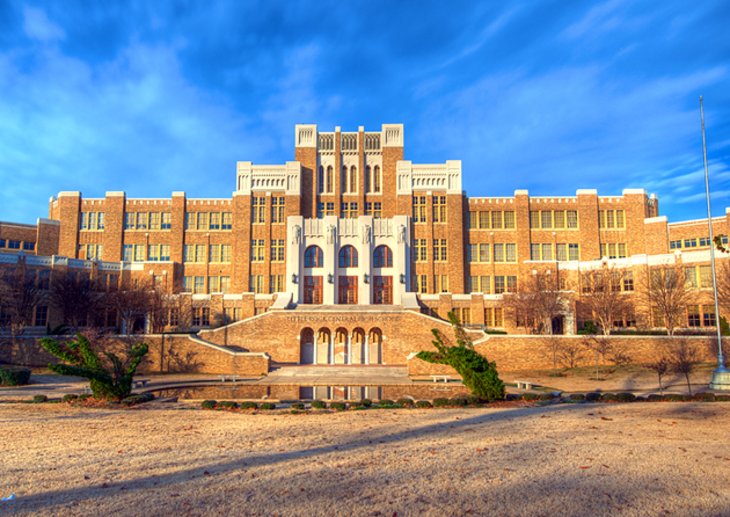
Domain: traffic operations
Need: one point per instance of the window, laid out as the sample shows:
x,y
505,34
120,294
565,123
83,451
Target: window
x,y
348,257
215,221
708,316
377,179
28,246
421,284
258,210
155,221
313,257
225,284
705,276
165,221
613,250
611,219
324,209
91,221
504,284
158,252
203,220
420,251
382,257
214,284
439,250
353,179
256,284
493,317
276,284
41,316
374,209
277,209
439,209
194,253
479,284
226,220
478,252
191,221
473,220
143,219
419,209
505,252
187,284
257,250
330,184
349,210
201,316
2,243
693,316
675,245
277,250
219,253
199,284
320,180
509,220
546,219
628,281
441,283
463,314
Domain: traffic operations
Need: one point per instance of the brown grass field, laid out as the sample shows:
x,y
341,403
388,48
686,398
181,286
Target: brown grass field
x,y
580,459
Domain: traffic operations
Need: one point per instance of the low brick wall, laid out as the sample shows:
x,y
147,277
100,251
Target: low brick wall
x,y
169,353
515,352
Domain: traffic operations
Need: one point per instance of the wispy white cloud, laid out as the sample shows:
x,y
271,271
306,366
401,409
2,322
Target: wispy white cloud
x,y
37,26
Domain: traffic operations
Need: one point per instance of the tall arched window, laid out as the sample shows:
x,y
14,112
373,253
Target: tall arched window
x,y
368,186
348,257
313,257
353,179
330,179
320,180
382,257
343,179
376,179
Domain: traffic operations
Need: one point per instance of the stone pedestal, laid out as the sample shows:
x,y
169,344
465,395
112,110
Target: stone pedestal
x,y
720,380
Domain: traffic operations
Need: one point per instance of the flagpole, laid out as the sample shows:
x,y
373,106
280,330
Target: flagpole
x,y
721,375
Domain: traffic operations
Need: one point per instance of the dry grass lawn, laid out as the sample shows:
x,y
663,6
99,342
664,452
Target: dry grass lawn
x,y
633,459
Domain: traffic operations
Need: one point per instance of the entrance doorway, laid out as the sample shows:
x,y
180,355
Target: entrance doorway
x,y
383,290
347,290
313,290
306,354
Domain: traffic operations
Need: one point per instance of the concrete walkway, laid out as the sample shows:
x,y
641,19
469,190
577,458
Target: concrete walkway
x,y
338,374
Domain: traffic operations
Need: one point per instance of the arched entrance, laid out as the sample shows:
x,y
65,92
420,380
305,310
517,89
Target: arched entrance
x,y
357,347
342,346
323,346
375,346
306,346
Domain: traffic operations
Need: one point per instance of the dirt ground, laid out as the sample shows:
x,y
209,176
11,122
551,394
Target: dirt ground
x,y
583,459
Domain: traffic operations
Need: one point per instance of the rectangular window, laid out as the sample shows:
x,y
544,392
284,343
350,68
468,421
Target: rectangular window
x,y
225,284
258,210
28,246
276,283
708,316
441,283
84,221
139,252
499,284
2,243
534,219
191,221
256,284
226,220
214,284
215,221
498,252
611,219
257,250
155,221
439,250
199,284
153,252
349,210
628,281
497,222
572,219
473,220
559,219
439,209
127,253
693,315
546,219
534,252
203,220
14,245
675,245
420,252
419,209
547,252
509,220
493,317
277,209
561,252
421,284
510,252
374,209
277,250
483,252
484,220
214,253
165,221
187,284
225,252
573,251
142,220
41,316
705,277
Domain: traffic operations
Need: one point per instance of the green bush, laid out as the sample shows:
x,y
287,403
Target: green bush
x,y
297,405
458,402
477,373
475,401
608,397
109,378
228,404
386,403
654,397
338,406
14,376
405,402
625,396
423,404
593,396
319,404
513,397
576,397
531,397
366,402
704,397
267,405
133,400
547,396
249,404
84,396
675,397
40,398
70,397
441,402
722,398
208,404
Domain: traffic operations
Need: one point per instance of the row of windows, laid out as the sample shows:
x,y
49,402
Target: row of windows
x,y
554,219
258,249
91,251
493,316
561,252
204,221
91,221
501,252
256,284
258,209
611,219
483,284
215,284
438,209
613,250
618,281
314,258
492,220
14,244
147,221
698,276
694,243
40,316
349,180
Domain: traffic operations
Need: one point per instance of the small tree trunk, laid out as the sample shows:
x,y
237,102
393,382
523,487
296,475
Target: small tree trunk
x,y
689,388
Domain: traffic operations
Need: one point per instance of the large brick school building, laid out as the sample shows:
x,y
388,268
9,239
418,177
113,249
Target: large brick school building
x,y
351,237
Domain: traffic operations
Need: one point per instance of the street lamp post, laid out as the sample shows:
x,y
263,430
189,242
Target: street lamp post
x,y
721,375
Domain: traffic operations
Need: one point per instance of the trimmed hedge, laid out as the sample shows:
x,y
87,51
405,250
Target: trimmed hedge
x,y
338,406
386,403
593,396
441,402
297,405
248,405
576,397
319,404
228,404
70,397
14,376
405,402
208,404
423,404
267,405
40,398
133,400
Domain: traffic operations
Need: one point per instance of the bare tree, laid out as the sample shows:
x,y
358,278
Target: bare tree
x,y
19,296
134,300
72,293
553,349
684,358
666,290
602,295
723,287
660,365
537,301
571,354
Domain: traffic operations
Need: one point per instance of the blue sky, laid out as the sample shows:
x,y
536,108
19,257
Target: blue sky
x,y
549,96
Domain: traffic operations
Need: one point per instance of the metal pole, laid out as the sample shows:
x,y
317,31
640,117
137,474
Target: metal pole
x,y
720,373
